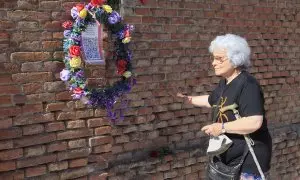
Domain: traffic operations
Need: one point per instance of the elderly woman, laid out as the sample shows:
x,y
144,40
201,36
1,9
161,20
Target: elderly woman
x,y
231,58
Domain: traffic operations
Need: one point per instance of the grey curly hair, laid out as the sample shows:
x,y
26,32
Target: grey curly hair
x,y
238,50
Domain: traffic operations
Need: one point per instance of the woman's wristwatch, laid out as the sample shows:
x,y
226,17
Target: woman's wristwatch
x,y
223,130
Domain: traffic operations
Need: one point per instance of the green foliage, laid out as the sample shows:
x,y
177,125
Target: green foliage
x,y
115,4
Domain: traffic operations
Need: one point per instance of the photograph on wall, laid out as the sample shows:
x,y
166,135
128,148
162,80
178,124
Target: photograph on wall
x,y
92,44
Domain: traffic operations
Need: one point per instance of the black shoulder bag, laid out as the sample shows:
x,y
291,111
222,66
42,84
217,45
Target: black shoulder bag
x,y
216,169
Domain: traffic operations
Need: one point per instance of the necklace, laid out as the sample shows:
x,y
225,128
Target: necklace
x,y
233,77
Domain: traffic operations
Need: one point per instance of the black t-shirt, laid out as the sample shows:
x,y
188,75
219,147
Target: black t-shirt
x,y
246,92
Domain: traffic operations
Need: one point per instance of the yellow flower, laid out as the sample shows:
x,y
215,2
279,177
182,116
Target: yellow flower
x,y
107,8
83,13
126,40
127,74
75,62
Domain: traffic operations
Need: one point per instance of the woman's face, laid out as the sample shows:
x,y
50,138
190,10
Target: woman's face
x,y
221,63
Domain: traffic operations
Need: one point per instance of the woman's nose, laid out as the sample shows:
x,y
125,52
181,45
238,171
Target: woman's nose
x,y
213,62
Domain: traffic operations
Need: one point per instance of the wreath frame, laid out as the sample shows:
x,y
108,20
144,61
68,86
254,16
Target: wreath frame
x,y
73,73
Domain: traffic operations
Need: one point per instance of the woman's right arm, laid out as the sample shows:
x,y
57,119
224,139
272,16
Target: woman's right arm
x,y
201,101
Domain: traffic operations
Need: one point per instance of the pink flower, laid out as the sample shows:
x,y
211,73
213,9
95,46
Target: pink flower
x,y
74,50
67,24
78,90
97,2
121,65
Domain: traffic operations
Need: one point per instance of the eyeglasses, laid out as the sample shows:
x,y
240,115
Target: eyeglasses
x,y
218,59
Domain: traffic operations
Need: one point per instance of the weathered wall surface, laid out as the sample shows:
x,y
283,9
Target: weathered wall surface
x,y
46,135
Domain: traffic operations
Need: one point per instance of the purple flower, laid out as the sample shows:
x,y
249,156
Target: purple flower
x,y
67,33
129,55
79,74
77,96
78,22
88,6
65,75
75,37
120,34
129,27
114,18
74,13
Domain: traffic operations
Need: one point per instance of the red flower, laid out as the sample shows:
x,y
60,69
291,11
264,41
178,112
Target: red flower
x,y
78,90
79,7
143,1
74,50
121,65
127,34
97,2
154,154
67,24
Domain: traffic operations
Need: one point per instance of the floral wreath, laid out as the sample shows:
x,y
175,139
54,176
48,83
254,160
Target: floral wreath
x,y
73,73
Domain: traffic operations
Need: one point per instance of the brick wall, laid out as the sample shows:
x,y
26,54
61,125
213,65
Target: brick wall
x,y
45,135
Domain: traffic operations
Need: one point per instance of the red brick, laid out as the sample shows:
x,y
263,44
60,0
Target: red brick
x,y
99,140
55,126
131,146
42,97
102,148
10,111
6,144
34,151
103,130
12,175
33,129
7,25
32,108
51,45
30,56
36,161
100,112
5,79
77,143
33,119
165,116
32,88
58,166
78,162
53,66
66,115
11,154
84,114
5,123
32,77
72,134
75,124
35,171
34,140
5,100
96,122
72,154
19,99
55,106
7,166
53,26
57,146
192,176
10,133
32,66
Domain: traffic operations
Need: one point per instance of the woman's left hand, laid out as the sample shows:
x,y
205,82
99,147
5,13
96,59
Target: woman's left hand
x,y
214,129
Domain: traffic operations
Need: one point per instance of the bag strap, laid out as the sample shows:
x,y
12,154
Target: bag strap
x,y
246,151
